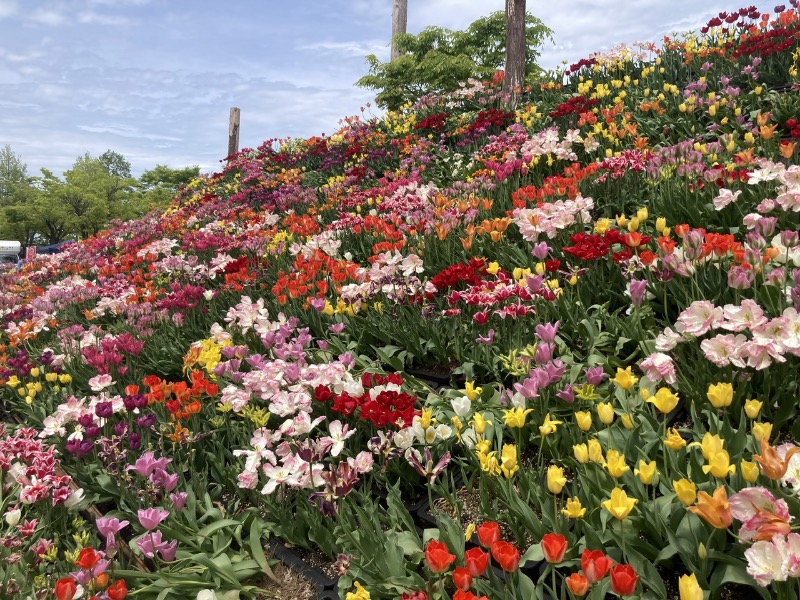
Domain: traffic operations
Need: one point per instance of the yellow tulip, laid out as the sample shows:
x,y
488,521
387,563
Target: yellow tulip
x,y
627,421
689,588
479,423
762,431
642,213
595,452
674,440
615,464
581,452
686,491
584,420
619,505
661,223
602,225
493,268
664,400
515,417
508,461
35,372
471,391
555,479
719,465
749,471
646,471
574,509
752,408
710,445
548,426
606,412
625,379
720,394
359,594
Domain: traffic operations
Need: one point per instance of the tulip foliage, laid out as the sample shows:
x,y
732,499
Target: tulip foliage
x,y
566,335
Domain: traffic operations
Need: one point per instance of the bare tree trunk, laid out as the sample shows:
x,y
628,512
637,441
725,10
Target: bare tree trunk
x,y
399,24
515,50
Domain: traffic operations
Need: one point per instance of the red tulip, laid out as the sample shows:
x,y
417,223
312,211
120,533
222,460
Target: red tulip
x,y
462,595
438,557
595,565
488,533
117,590
623,580
462,578
506,555
578,584
66,588
477,561
554,546
88,558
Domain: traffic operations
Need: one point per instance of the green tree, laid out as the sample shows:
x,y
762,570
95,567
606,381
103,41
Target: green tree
x,y
436,60
158,186
13,174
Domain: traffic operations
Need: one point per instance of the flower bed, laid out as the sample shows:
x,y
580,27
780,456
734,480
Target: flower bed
x,y
599,294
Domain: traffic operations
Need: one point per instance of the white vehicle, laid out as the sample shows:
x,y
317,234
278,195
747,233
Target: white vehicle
x,y
9,251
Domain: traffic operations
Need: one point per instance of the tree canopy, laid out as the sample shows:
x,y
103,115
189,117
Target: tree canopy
x,y
48,209
436,60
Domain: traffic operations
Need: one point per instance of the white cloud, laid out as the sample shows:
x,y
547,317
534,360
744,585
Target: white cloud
x,y
127,132
8,8
91,17
51,18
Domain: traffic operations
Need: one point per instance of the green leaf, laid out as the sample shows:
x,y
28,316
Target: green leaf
x,y
257,549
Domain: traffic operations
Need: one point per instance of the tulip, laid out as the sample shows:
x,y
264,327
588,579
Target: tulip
x,y
477,561
595,565
615,464
771,464
581,452
506,555
762,431
508,463
646,471
710,445
664,400
66,588
619,505
627,421
462,578
625,379
752,408
749,471
715,510
515,417
685,490
150,518
554,547
689,588
719,465
488,533
437,556
574,509
623,580
720,394
578,584
555,479
674,440
117,590
606,412
595,451
584,420
88,558
548,426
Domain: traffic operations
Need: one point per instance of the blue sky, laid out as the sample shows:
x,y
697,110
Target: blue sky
x,y
155,79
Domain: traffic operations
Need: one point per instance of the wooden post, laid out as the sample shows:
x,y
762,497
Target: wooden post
x,y
399,24
515,51
233,131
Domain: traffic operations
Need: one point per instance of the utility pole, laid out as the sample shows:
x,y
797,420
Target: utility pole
x,y
399,24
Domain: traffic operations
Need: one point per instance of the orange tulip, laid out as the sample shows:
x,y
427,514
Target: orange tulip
x,y
715,510
771,464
